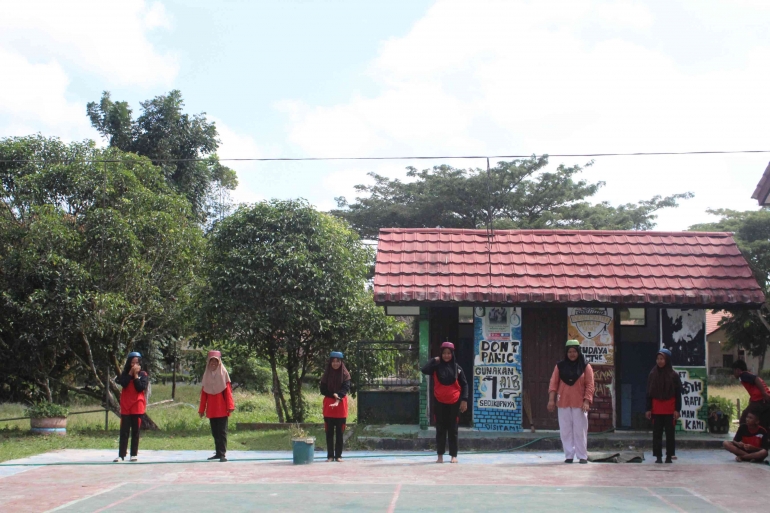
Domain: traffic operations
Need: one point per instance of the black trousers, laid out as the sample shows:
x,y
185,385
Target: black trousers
x,y
446,416
219,431
334,427
129,423
659,424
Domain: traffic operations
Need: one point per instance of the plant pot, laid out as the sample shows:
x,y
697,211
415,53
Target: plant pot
x,y
49,425
303,450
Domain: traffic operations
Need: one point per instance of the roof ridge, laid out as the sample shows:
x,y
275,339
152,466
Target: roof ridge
x,y
476,231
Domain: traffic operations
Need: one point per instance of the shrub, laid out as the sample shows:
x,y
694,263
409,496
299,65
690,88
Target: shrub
x,y
726,406
47,410
722,381
722,371
765,374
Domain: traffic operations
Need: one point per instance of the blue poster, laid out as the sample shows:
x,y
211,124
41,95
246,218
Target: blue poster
x,y
497,379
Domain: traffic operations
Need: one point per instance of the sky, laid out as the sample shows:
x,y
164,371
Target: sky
x,y
303,78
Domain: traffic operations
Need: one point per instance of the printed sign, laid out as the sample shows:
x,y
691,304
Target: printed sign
x,y
593,328
683,332
497,379
694,412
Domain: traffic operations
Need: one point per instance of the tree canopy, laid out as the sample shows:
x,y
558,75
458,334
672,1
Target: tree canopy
x,y
96,259
749,329
172,139
290,283
515,194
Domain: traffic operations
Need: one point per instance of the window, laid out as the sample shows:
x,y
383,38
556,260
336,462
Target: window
x,y
727,360
466,315
632,317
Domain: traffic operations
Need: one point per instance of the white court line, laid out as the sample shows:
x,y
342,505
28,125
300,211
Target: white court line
x,y
663,499
707,500
72,503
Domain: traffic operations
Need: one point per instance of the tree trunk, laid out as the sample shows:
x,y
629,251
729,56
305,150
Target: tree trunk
x,y
276,389
295,395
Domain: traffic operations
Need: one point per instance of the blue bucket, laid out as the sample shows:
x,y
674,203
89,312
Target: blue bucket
x,y
303,449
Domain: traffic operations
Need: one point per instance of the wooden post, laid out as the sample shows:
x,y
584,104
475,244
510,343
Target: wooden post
x,y
107,398
738,405
173,376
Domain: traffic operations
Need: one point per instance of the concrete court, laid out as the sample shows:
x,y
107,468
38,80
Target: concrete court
x,y
700,481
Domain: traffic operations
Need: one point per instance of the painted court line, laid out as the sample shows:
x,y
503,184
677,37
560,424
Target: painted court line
x,y
706,499
137,494
663,499
394,500
76,501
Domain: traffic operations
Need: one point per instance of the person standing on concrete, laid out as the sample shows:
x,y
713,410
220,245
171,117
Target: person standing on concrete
x,y
664,402
450,388
572,391
133,404
217,402
335,385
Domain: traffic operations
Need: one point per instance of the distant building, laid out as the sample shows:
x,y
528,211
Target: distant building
x,y
719,356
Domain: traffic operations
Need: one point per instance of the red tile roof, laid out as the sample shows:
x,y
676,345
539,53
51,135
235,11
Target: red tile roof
x,y
418,265
712,320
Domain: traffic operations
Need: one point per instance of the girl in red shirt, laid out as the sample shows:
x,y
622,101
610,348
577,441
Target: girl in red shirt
x,y
450,388
217,402
335,385
133,403
664,402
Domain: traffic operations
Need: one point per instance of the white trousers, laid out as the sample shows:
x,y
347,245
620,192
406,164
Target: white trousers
x,y
573,428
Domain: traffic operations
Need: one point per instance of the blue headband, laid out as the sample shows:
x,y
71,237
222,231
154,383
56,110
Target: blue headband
x,y
336,354
134,353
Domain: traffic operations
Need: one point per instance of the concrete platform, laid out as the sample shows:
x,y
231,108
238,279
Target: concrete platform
x,y
85,481
412,438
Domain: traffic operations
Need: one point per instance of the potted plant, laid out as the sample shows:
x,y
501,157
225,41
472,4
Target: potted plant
x,y
303,446
48,418
721,410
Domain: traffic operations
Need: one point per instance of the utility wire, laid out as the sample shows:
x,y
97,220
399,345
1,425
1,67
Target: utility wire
x,y
418,157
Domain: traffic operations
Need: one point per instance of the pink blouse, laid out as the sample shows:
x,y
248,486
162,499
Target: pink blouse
x,y
573,396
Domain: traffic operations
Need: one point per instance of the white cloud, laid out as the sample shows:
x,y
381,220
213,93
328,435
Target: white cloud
x,y
108,39
251,178
502,77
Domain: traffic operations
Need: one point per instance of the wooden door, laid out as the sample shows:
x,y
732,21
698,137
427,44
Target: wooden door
x,y
543,333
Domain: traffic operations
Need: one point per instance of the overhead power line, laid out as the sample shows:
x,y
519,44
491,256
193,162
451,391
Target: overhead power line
x,y
413,157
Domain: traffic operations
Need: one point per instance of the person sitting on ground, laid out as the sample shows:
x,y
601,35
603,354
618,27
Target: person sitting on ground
x,y
450,389
751,442
759,394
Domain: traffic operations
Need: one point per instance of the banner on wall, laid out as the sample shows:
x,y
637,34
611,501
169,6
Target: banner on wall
x,y
497,379
683,332
694,414
594,328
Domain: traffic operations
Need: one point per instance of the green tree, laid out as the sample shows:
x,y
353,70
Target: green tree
x,y
749,329
174,140
96,259
289,282
515,194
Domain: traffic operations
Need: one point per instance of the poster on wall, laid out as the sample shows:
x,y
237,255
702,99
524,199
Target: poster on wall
x,y
594,329
497,380
694,414
683,332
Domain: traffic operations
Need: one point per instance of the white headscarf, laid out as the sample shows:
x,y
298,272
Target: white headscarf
x,y
215,381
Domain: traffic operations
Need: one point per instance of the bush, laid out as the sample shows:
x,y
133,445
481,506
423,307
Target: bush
x,y
765,374
726,406
722,371
722,381
47,410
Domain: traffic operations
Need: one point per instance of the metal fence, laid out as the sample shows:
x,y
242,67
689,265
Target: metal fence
x,y
387,364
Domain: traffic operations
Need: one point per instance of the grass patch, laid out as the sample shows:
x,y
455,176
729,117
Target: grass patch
x,y
181,428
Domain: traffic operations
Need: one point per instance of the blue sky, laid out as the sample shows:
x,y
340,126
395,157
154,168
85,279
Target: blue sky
x,y
356,78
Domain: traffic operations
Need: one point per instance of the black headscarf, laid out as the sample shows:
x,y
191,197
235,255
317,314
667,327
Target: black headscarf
x,y
127,366
447,371
662,381
569,371
333,379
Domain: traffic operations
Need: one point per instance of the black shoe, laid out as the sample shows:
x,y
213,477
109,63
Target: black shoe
x,y
568,460
215,457
222,459
659,460
582,461
668,459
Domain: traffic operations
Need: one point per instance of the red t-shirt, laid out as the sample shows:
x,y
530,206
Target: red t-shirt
x,y
749,382
757,438
663,407
338,412
446,394
217,405
131,401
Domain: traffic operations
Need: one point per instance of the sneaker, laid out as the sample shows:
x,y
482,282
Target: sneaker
x,y
583,460
117,460
568,460
659,460
215,457
134,459
669,460
222,459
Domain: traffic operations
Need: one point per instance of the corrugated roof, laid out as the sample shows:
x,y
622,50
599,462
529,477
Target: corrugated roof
x,y
417,265
712,320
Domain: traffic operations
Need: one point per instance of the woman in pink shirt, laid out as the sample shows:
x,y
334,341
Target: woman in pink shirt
x,y
573,382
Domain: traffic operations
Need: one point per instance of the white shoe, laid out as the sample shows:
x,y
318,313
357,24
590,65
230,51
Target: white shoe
x,y
133,458
117,460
